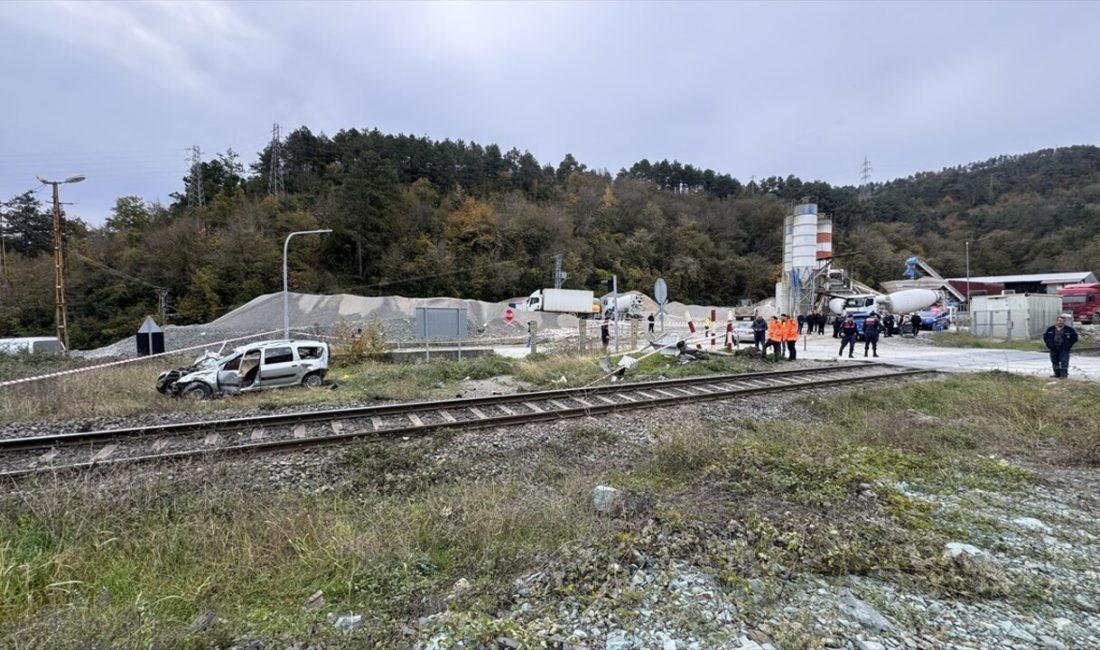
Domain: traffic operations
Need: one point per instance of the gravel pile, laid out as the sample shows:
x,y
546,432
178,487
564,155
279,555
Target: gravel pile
x,y
319,315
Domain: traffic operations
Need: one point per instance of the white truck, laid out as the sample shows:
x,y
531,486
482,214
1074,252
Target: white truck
x,y
563,301
623,306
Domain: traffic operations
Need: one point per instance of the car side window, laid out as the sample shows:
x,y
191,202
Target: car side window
x,y
278,355
310,352
234,363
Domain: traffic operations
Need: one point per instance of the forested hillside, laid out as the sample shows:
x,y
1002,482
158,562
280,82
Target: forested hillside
x,y
417,217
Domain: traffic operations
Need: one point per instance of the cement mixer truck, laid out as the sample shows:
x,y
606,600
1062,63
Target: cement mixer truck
x,y
898,302
624,306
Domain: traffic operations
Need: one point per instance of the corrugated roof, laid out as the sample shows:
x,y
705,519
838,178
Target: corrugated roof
x,y
1042,278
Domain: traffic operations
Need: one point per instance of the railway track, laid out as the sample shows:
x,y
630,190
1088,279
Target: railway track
x,y
21,457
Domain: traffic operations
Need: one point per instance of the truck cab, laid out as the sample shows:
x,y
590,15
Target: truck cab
x,y
1081,301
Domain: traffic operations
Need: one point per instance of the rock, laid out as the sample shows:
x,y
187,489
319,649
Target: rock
x,y
618,640
349,622
1031,523
460,587
759,637
864,614
1052,643
504,643
670,644
955,549
1012,630
869,645
315,601
607,500
1068,627
1084,603
203,621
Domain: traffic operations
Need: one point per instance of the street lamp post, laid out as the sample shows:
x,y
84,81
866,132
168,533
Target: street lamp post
x,y
286,295
61,315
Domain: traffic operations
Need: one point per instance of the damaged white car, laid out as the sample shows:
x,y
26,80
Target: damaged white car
x,y
252,367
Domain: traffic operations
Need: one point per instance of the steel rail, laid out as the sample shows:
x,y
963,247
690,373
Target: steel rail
x,y
357,412
488,422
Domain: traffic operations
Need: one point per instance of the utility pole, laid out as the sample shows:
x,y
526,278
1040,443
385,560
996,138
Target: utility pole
x,y
3,248
162,305
559,275
61,315
275,168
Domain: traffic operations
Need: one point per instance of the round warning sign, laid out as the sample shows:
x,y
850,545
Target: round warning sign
x,y
509,315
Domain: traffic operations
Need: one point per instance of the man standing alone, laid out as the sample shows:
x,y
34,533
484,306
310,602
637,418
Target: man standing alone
x,y
1059,338
759,332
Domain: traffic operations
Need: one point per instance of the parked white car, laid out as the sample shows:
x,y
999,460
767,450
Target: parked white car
x,y
256,366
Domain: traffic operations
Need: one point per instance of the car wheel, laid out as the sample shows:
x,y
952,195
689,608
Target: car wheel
x,y
197,393
313,380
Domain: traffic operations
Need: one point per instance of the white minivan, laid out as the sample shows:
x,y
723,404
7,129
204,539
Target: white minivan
x,y
252,367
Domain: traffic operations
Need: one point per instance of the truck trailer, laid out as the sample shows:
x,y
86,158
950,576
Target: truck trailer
x,y
563,301
1081,301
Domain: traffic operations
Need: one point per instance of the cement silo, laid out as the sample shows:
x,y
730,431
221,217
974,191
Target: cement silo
x,y
824,237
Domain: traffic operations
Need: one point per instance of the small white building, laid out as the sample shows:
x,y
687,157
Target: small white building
x,y
1014,316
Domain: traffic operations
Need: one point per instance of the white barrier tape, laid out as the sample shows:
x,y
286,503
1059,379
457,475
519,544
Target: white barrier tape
x,y
98,366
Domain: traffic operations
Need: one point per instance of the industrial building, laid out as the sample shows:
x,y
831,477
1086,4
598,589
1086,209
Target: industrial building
x,y
991,285
808,271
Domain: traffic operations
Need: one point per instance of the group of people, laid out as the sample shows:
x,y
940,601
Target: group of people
x,y
776,335
812,322
873,325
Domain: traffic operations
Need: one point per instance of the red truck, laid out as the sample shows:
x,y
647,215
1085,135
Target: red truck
x,y
1083,301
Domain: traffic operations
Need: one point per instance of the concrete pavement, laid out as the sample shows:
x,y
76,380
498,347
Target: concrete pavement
x,y
920,353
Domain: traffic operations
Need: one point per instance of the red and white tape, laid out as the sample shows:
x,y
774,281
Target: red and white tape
x,y
99,366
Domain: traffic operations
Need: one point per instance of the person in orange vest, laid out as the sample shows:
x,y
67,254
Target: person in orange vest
x,y
790,335
775,338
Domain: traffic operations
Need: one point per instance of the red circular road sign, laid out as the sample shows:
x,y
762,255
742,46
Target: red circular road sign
x,y
509,315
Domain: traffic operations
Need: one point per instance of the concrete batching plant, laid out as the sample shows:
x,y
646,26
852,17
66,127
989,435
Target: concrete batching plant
x,y
807,247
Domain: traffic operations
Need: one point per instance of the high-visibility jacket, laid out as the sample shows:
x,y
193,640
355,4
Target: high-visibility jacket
x,y
775,331
790,331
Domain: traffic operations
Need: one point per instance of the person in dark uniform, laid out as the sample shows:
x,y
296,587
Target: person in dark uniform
x,y
759,334
871,326
605,333
915,320
651,320
888,325
838,320
821,319
848,334
801,322
1059,338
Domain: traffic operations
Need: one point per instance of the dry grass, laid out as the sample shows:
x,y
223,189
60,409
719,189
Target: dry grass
x,y
155,556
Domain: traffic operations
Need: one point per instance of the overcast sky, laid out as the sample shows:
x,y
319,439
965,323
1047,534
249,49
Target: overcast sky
x,y
120,91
